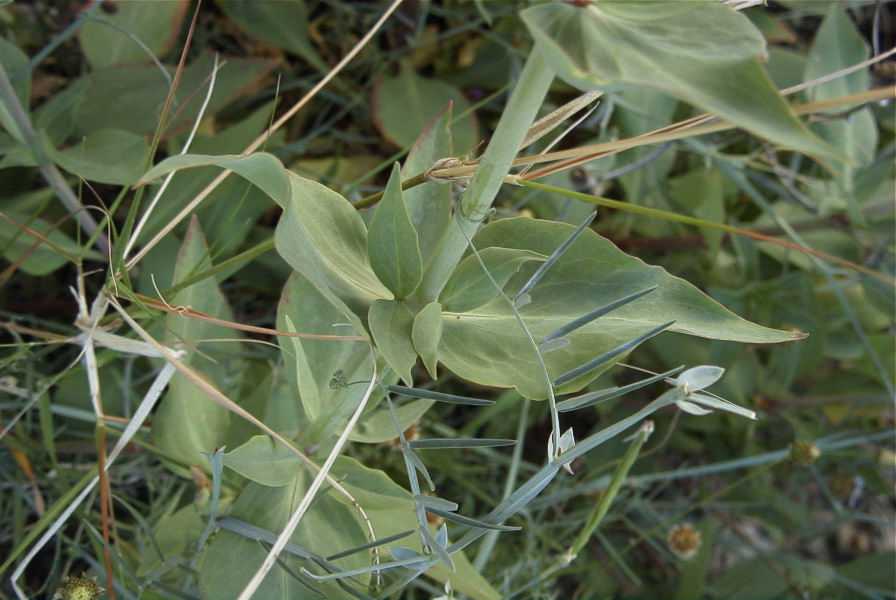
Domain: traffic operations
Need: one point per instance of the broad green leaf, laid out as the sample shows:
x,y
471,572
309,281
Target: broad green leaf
x,y
264,461
704,53
391,324
188,423
324,238
405,104
837,45
470,286
327,528
392,243
426,334
33,256
391,510
232,209
175,536
115,38
261,169
429,204
131,98
107,156
283,24
15,63
487,346
319,370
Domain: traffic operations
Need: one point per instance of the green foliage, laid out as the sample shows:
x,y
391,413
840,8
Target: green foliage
x,y
375,335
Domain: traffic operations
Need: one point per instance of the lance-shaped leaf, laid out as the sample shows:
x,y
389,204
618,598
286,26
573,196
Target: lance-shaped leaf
x,y
592,398
392,243
391,324
487,346
444,443
552,259
606,357
383,541
704,53
438,396
470,522
594,314
426,334
470,286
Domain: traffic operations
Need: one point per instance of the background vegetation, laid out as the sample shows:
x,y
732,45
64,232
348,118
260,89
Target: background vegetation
x,y
796,504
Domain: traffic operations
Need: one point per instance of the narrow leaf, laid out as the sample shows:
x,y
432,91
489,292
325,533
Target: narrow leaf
x,y
442,443
599,396
438,396
555,256
609,355
374,544
594,314
471,522
434,502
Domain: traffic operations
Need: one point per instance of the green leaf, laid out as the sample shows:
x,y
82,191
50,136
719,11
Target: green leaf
x,y
188,423
391,325
327,528
283,24
260,168
392,244
391,511
487,346
18,71
405,104
470,287
264,461
701,192
377,427
154,25
704,53
837,45
19,247
320,369
429,204
107,156
131,98
426,335
323,237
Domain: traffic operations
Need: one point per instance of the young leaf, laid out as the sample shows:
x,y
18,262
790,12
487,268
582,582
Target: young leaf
x,y
554,257
391,324
594,314
702,52
426,335
469,287
699,378
392,243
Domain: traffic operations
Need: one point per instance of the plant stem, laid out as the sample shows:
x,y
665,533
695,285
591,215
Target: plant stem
x,y
606,499
518,115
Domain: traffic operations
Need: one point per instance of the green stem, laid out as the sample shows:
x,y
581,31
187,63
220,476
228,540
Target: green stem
x,y
606,499
665,215
518,116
